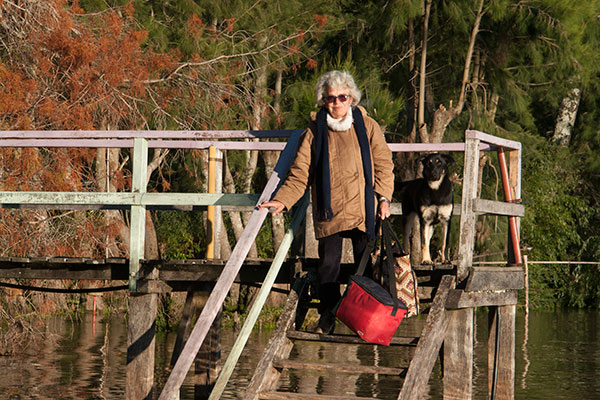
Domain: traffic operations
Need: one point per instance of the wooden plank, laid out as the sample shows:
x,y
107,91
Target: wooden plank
x,y
504,376
461,299
347,339
97,199
468,218
301,396
104,273
337,367
178,144
69,143
487,138
431,147
458,355
491,207
154,134
279,346
215,301
495,278
429,345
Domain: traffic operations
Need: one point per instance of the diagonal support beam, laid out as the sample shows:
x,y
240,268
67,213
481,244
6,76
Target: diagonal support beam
x,y
429,345
259,301
230,271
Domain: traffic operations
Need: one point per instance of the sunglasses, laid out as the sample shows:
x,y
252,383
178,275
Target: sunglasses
x,y
341,97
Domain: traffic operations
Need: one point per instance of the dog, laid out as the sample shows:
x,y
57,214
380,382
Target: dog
x,y
430,199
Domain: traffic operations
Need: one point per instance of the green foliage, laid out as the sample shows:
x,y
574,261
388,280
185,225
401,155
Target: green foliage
x,y
181,234
558,226
168,313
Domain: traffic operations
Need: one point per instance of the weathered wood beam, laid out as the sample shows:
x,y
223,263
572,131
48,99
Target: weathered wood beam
x,y
458,355
126,199
501,363
468,219
279,346
495,278
492,207
431,147
154,134
429,345
338,367
347,339
494,140
302,396
460,299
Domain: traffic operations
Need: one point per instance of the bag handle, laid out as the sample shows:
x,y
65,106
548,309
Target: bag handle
x,y
386,234
393,236
369,250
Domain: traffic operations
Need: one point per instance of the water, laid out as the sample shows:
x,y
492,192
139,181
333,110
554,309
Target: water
x,y
557,357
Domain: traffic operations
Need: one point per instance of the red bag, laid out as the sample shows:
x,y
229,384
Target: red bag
x,y
369,309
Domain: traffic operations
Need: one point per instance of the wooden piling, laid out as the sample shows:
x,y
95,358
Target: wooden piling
x,y
458,355
141,329
501,353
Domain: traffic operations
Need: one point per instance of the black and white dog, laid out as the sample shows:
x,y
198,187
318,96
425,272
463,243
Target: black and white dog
x,y
430,200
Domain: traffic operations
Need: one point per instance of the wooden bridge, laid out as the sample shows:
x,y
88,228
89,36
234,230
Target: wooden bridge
x,y
454,290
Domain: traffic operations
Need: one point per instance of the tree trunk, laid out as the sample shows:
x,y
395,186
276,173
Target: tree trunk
x,y
270,158
423,133
277,221
442,116
151,240
567,113
107,163
235,216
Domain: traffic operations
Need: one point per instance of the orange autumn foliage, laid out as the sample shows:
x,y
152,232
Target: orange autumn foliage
x,y
69,71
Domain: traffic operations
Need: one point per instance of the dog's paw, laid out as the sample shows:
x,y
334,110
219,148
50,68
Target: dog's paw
x,y
426,261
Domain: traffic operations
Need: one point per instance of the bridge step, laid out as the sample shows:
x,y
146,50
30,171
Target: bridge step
x,y
289,395
347,368
348,339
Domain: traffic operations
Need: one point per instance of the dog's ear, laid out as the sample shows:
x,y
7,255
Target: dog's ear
x,y
421,158
448,158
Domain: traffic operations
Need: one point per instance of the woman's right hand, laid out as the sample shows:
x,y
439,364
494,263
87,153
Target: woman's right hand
x,y
277,205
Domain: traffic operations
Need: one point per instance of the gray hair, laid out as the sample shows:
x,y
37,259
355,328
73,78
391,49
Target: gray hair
x,y
336,80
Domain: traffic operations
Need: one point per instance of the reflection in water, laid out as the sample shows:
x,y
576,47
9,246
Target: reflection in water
x,y
524,349
559,358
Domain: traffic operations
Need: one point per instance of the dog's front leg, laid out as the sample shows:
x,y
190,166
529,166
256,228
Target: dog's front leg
x,y
445,257
426,234
445,213
427,218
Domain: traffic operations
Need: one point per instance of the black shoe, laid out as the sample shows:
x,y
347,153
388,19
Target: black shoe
x,y
326,323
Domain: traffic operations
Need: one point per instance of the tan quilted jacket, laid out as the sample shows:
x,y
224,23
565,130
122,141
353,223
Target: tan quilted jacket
x,y
347,177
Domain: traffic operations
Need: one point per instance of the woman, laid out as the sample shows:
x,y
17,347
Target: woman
x,y
344,157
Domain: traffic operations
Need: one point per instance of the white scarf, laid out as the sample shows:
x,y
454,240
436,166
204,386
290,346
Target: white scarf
x,y
340,124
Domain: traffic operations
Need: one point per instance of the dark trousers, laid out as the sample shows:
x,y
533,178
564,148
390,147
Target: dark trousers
x,y
330,255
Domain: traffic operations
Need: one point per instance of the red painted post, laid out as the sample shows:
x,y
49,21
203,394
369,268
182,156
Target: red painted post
x,y
512,221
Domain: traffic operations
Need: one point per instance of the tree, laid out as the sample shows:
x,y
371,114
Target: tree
x,y
73,70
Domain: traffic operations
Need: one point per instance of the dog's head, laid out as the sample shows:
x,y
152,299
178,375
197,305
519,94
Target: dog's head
x,y
435,166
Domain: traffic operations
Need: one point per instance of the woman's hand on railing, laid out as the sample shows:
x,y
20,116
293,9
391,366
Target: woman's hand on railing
x,y
277,205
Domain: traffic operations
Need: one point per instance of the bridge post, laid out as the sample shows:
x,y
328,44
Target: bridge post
x,y
142,308
137,223
458,344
